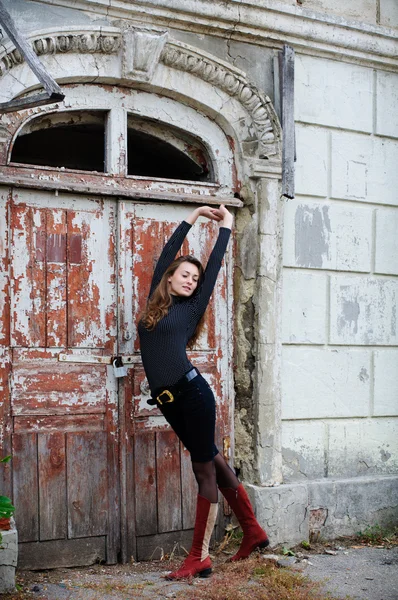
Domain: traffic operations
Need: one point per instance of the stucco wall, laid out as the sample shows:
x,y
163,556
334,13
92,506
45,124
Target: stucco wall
x,y
340,300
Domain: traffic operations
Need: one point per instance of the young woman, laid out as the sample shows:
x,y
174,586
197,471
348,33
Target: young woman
x,y
179,294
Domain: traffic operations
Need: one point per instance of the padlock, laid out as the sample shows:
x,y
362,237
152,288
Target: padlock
x,y
119,369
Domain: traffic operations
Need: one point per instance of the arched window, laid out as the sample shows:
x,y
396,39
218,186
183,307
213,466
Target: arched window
x,y
72,140
77,140
158,150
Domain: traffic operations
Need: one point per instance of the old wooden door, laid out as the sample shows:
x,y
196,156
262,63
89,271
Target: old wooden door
x,y
97,474
63,416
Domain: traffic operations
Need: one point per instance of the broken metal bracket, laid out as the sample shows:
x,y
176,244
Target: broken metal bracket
x,y
53,92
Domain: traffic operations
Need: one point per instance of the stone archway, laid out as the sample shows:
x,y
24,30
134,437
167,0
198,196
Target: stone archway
x,y
149,61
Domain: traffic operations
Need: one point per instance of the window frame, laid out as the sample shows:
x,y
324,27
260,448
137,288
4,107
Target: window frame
x,y
114,181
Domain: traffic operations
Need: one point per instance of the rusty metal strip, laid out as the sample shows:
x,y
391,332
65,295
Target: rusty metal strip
x,y
91,359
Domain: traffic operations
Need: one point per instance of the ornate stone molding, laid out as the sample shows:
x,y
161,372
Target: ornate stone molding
x,y
232,82
81,43
141,52
143,48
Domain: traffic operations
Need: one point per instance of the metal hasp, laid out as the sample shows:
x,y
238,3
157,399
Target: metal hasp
x,y
53,92
286,82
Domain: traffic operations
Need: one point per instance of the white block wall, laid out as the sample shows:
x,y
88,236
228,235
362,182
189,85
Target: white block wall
x,y
340,287
374,12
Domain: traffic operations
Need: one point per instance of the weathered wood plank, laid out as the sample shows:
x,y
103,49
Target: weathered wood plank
x,y
139,189
147,246
4,269
145,483
28,269
52,485
52,387
5,421
169,481
56,278
286,62
91,282
61,553
49,424
87,484
25,484
113,467
189,490
152,547
128,483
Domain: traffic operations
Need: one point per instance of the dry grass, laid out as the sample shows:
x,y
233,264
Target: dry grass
x,y
254,579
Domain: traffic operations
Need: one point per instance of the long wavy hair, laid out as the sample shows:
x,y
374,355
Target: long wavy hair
x,y
159,303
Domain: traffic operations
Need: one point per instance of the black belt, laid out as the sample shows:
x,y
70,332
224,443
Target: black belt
x,y
167,394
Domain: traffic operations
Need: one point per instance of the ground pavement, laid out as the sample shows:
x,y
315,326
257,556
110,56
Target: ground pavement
x,y
362,573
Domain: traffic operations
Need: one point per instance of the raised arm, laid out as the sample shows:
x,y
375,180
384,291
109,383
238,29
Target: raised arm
x,y
175,242
214,264
168,253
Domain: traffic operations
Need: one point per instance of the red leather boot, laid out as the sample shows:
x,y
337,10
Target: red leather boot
x,y
253,535
198,560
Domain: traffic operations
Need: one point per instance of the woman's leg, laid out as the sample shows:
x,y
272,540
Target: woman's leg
x,y
205,474
196,430
235,494
226,478
198,560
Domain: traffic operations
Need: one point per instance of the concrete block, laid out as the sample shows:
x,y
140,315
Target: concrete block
x,y
386,252
304,307
303,450
7,579
9,548
385,401
320,383
364,168
320,235
351,505
331,507
282,511
311,166
8,560
389,13
387,102
334,94
367,446
363,311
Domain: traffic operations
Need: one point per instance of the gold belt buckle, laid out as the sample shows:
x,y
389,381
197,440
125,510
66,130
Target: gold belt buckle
x,y
169,394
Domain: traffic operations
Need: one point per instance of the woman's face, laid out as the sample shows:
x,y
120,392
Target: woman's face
x,y
184,280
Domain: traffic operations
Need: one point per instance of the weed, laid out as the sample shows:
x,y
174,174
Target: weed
x,y
254,579
306,545
287,552
377,535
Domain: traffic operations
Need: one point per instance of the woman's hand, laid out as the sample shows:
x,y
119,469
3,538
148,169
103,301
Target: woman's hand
x,y
204,211
227,218
222,215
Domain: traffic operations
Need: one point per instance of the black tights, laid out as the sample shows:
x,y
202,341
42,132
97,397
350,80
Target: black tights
x,y
214,473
